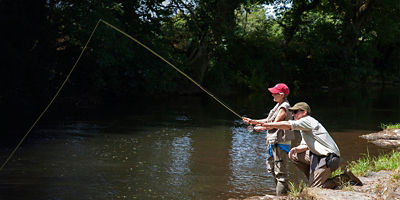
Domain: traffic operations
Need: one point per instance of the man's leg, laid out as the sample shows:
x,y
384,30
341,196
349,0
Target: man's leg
x,y
319,172
302,162
320,176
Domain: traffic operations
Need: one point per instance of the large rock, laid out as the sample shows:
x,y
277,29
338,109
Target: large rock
x,y
327,194
386,138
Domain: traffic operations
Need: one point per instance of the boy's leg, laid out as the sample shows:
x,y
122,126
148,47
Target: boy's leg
x,y
280,170
270,166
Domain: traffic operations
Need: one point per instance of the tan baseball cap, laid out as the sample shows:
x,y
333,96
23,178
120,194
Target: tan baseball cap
x,y
301,106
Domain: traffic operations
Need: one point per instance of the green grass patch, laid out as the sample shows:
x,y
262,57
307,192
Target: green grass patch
x,y
367,164
337,172
388,162
295,190
390,126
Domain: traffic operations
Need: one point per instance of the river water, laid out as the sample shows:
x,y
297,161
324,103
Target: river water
x,y
176,147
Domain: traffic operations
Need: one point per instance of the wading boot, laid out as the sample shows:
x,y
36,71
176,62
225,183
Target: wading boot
x,y
281,189
348,176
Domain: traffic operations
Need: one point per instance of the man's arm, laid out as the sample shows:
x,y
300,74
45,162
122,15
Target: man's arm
x,y
298,149
284,125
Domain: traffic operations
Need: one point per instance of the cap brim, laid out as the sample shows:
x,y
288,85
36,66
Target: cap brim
x,y
293,108
273,90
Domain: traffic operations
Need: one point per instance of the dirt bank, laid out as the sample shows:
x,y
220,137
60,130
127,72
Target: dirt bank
x,y
376,185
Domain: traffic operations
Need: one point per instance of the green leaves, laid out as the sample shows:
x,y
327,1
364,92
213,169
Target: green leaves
x,y
223,44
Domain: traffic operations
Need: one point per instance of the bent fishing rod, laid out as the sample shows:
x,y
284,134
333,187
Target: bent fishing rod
x,y
170,64
74,66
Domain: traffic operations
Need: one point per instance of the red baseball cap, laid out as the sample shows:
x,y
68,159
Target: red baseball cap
x,y
279,88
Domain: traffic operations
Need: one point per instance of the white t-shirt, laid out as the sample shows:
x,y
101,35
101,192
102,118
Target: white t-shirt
x,y
315,136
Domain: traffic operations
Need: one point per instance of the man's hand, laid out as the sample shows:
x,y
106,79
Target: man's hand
x,y
292,152
295,150
267,126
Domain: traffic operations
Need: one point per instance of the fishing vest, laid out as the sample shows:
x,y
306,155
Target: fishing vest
x,y
275,136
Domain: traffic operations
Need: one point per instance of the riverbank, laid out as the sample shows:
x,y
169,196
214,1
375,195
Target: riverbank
x,y
384,184
380,176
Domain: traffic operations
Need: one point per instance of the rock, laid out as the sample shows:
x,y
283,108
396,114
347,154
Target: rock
x,y
386,143
387,134
386,138
266,197
328,194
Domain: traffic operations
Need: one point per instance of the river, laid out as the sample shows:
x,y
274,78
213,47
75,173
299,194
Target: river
x,y
176,147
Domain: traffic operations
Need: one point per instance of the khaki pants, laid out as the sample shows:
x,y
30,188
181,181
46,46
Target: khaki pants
x,y
277,166
316,172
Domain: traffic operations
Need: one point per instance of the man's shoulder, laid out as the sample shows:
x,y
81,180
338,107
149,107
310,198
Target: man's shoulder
x,y
309,118
307,121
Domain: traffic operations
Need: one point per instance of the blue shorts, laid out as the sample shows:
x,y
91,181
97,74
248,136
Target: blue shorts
x,y
284,147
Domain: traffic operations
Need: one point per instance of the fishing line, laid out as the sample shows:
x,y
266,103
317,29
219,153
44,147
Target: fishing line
x,y
52,100
173,66
74,66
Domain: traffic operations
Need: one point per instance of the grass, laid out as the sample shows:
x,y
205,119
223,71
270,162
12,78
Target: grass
x,y
390,126
337,172
295,191
367,164
396,175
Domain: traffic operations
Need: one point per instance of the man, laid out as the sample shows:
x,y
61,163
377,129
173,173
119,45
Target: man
x,y
317,155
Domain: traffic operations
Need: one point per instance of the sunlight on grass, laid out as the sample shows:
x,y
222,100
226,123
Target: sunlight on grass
x,y
367,164
295,191
347,187
362,166
337,172
390,126
388,162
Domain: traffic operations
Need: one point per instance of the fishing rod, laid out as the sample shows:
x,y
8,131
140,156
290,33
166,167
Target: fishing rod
x,y
74,66
173,66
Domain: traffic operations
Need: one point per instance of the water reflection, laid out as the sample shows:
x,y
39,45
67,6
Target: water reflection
x,y
248,166
185,148
180,155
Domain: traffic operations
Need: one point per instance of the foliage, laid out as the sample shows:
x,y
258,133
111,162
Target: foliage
x,y
224,45
390,126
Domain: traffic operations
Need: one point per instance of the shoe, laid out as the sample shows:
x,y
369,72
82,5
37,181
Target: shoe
x,y
281,189
352,178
